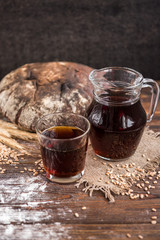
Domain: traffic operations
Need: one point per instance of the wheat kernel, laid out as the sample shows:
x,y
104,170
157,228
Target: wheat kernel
x,y
147,182
154,210
35,174
76,215
154,222
154,217
128,235
84,208
141,196
140,236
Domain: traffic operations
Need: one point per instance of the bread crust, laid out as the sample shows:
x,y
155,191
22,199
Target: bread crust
x,y
37,89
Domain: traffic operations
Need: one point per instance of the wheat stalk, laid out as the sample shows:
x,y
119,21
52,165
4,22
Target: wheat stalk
x,y
16,133
11,130
12,143
5,124
4,133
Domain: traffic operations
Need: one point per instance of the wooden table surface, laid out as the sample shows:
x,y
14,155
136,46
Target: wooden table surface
x,y
31,207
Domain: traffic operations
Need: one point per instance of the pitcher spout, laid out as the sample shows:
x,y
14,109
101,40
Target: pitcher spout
x,y
99,78
118,83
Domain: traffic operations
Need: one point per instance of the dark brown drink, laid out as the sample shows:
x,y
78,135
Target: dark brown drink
x,y
116,130
63,158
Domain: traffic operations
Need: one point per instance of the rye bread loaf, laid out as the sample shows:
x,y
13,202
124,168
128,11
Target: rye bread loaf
x,y
36,89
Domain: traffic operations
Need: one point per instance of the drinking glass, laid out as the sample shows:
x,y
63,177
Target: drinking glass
x,y
63,139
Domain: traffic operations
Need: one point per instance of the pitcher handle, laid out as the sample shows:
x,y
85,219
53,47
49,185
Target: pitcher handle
x,y
153,85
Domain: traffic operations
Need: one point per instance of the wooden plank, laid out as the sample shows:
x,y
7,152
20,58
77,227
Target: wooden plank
x,y
31,207
26,199
58,231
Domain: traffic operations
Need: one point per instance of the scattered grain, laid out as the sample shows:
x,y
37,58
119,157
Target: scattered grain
x,y
128,235
140,236
10,162
154,222
35,174
132,196
16,158
152,173
84,208
147,182
154,210
110,165
154,217
76,215
139,169
141,196
138,185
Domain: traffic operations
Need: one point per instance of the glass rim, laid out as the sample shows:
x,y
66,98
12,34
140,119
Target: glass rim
x,y
139,76
64,139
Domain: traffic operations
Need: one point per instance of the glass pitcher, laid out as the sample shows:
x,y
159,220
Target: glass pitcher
x,y
116,114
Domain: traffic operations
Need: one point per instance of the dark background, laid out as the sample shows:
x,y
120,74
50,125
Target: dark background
x,y
97,33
